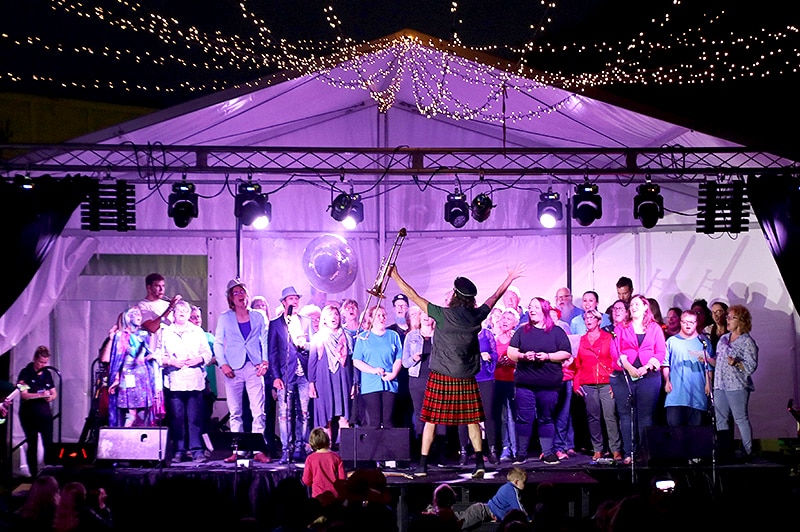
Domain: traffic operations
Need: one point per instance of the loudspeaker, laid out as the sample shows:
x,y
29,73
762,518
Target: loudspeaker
x,y
222,444
676,445
132,443
375,444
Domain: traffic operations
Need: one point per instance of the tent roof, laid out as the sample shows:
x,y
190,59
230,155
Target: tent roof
x,y
433,83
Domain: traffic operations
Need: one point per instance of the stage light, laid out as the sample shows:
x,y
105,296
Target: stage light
x,y
550,210
587,204
347,209
252,207
456,210
648,205
182,203
481,207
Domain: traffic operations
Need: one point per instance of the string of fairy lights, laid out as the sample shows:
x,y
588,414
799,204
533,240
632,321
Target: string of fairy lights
x,y
665,53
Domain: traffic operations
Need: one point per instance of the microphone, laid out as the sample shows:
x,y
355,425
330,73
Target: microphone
x,y
290,310
703,341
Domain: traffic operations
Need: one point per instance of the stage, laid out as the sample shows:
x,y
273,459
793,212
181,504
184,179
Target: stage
x,y
147,493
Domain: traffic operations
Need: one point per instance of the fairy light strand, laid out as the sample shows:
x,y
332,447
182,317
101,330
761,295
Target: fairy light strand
x,y
664,53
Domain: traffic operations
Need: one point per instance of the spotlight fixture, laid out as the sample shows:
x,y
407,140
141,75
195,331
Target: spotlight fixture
x,y
550,210
481,207
252,207
648,205
456,210
587,204
182,203
348,209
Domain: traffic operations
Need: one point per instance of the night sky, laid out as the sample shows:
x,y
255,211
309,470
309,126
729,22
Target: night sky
x,y
754,111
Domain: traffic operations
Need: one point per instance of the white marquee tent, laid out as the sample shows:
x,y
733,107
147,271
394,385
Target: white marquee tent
x,y
413,92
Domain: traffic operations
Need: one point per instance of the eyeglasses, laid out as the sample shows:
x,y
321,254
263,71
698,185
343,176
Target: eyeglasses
x,y
717,312
617,309
238,293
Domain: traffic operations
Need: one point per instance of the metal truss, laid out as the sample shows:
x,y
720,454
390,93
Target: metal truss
x,y
394,165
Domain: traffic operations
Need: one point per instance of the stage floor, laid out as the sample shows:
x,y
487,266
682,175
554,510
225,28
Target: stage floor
x,y
214,492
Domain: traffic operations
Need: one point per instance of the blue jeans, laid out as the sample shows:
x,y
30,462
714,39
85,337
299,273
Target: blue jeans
x,y
186,419
539,406
734,403
642,395
293,415
504,412
565,435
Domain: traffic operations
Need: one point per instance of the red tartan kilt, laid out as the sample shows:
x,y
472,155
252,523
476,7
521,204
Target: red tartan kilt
x,y
451,401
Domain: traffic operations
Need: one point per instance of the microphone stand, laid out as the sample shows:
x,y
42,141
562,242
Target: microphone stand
x,y
710,380
632,402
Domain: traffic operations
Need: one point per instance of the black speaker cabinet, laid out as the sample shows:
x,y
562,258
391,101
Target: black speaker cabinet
x,y
375,444
677,445
132,443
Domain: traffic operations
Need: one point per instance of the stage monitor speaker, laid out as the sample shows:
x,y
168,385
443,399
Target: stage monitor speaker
x,y
222,444
132,443
677,445
375,444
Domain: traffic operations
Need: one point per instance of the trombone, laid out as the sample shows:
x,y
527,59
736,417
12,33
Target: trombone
x,y
382,279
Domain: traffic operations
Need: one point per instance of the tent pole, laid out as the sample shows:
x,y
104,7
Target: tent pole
x,y
569,244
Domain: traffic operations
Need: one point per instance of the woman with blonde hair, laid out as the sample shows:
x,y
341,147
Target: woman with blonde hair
x,y
330,373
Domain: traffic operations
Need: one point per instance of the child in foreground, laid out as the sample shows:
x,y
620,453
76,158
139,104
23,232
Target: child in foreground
x,y
323,467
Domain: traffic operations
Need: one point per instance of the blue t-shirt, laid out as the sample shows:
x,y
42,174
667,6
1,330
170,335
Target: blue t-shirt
x,y
379,351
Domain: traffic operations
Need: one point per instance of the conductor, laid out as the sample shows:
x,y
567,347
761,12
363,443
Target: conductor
x,y
452,396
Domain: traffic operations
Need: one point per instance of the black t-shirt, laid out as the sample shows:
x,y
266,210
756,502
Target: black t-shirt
x,y
545,375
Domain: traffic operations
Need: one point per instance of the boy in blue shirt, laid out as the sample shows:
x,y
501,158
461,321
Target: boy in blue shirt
x,y
506,499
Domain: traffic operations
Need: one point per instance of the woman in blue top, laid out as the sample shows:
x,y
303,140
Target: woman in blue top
x,y
378,356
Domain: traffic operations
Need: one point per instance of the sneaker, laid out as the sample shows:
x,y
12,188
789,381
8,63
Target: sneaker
x,y
596,457
561,455
421,472
551,459
520,460
478,472
199,457
178,458
572,452
231,459
617,456
506,455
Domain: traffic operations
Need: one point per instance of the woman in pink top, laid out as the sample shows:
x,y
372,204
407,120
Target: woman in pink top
x,y
636,380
